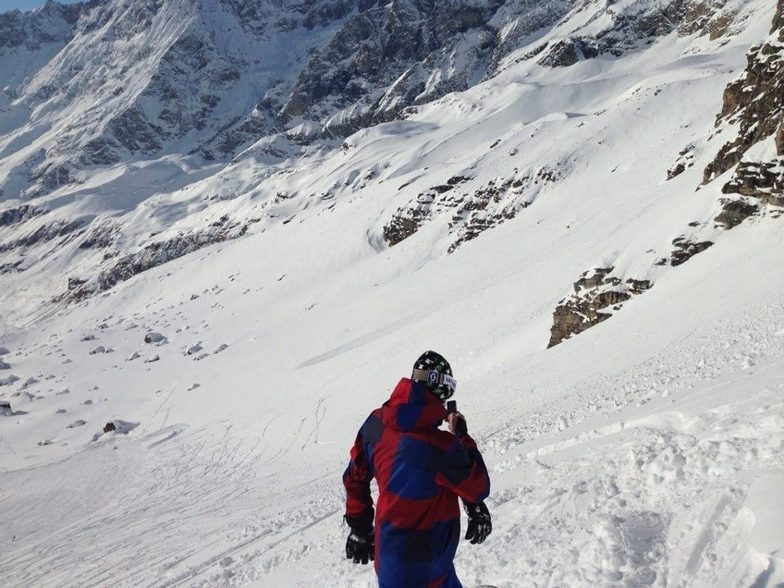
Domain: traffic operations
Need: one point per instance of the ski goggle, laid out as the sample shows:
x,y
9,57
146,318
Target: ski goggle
x,y
436,379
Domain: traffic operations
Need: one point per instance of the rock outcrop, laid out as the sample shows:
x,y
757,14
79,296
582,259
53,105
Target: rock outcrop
x,y
156,254
597,294
754,104
683,250
734,212
471,212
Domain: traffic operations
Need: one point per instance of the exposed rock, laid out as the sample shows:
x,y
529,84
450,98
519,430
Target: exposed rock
x,y
100,237
155,338
471,212
193,349
597,293
53,23
764,180
74,283
568,52
755,104
13,216
12,267
7,381
735,212
109,427
157,254
46,232
31,381
685,161
683,251
5,408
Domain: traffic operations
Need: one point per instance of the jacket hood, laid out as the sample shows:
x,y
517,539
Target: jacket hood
x,y
412,406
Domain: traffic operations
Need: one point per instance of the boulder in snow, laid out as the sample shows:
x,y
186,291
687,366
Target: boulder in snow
x,y
193,349
9,380
155,338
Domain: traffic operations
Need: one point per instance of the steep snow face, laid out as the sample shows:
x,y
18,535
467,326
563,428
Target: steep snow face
x,y
208,77
123,136
188,345
28,41
147,78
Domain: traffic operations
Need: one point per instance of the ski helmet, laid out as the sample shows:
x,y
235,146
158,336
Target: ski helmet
x,y
434,370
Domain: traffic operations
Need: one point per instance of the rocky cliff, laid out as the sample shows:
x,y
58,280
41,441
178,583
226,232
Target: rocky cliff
x,y
754,110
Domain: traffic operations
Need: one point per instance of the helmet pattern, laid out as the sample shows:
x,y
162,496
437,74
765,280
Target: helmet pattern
x,y
430,361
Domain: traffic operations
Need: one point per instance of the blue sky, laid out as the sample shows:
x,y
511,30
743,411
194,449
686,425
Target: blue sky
x,y
6,5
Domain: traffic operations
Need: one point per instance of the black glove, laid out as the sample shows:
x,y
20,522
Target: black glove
x,y
360,549
360,545
480,525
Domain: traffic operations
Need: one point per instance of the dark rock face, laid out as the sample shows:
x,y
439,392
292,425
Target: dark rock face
x,y
764,181
683,251
14,216
156,254
629,27
44,233
685,161
597,294
54,23
101,237
471,212
569,52
379,61
755,103
735,212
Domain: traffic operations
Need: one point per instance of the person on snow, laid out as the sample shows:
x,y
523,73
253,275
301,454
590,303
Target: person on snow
x,y
421,471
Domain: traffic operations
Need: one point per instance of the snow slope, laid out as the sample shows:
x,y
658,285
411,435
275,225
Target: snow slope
x,y
645,451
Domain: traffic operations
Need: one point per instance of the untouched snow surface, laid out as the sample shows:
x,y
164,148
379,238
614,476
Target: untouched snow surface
x,y
647,451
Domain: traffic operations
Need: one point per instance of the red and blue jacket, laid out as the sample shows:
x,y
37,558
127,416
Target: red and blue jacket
x,y
420,471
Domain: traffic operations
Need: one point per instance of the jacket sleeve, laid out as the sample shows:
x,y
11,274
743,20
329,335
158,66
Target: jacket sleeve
x,y
356,479
462,470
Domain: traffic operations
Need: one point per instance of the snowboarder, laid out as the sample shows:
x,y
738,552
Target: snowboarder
x,y
421,471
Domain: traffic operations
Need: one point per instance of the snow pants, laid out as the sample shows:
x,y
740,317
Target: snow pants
x,y
450,581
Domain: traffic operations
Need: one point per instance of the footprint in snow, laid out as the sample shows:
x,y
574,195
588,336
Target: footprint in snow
x,y
77,423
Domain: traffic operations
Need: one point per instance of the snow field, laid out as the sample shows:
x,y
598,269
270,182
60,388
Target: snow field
x,y
644,452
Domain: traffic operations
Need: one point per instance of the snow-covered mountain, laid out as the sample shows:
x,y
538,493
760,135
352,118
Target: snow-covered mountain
x,y
227,227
